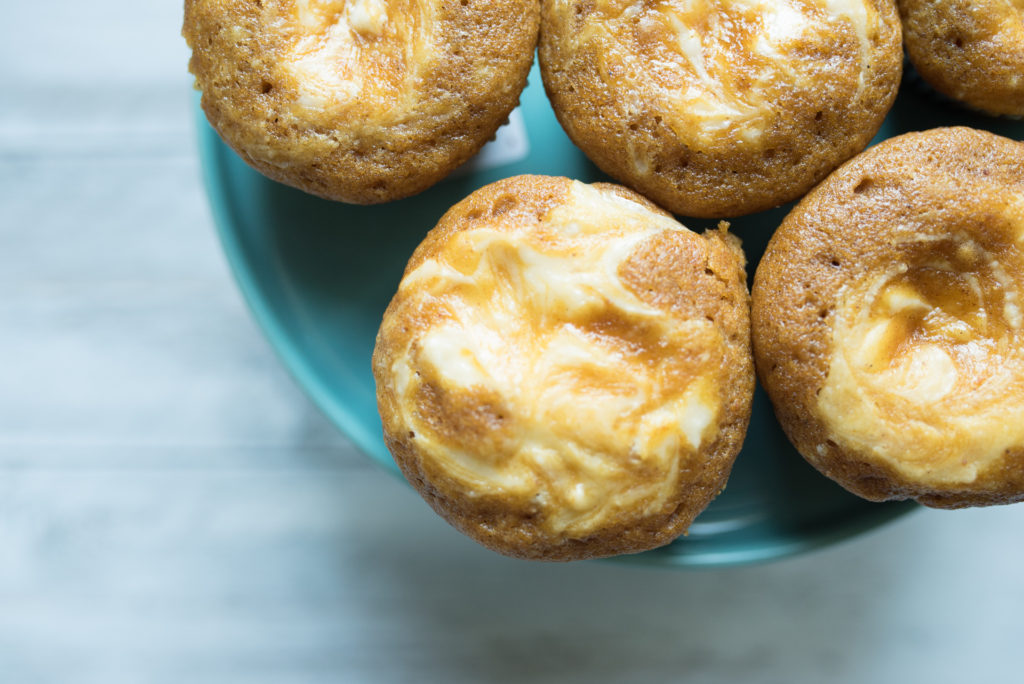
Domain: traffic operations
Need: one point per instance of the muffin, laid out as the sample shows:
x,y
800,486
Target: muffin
x,y
565,371
969,50
362,101
888,326
720,108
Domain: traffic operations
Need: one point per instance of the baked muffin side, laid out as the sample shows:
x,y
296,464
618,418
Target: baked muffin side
x,y
364,101
887,321
969,50
565,371
720,108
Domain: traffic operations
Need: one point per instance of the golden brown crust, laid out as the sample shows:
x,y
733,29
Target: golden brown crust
x,y
969,50
918,242
791,118
682,275
414,116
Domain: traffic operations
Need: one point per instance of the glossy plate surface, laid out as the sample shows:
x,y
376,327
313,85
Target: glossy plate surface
x,y
318,276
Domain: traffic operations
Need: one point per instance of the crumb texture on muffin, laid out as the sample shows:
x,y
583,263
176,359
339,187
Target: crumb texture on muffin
x,y
565,369
970,50
889,320
720,108
362,101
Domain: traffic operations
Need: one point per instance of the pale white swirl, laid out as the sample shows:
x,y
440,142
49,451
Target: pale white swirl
x,y
927,364
724,62
593,394
352,53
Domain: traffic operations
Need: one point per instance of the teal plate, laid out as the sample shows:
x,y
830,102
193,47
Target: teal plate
x,y
318,275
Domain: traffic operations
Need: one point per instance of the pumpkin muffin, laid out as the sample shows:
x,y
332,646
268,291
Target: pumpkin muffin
x,y
888,322
969,50
565,371
361,101
720,108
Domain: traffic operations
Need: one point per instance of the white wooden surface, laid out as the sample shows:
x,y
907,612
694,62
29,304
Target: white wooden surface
x,y
172,509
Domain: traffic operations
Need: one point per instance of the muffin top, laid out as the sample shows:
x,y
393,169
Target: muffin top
x,y
358,56
889,320
565,369
718,108
970,50
362,101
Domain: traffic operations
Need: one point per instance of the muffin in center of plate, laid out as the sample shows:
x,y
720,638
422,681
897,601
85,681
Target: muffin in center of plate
x,y
565,370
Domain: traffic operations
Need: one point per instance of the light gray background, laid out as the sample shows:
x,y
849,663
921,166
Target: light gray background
x,y
172,509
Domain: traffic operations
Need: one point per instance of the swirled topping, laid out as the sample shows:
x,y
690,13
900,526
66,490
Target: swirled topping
x,y
344,53
543,376
927,369
728,63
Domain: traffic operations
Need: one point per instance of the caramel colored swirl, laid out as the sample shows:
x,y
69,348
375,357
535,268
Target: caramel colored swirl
x,y
542,376
728,64
888,321
927,368
352,53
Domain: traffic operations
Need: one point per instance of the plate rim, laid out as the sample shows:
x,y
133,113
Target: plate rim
x,y
210,148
